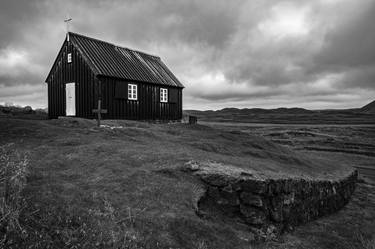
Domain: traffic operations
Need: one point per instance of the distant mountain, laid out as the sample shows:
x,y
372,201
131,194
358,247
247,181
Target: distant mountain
x,y
365,115
369,108
249,111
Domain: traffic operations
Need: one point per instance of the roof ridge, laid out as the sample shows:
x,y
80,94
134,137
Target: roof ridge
x,y
91,38
116,46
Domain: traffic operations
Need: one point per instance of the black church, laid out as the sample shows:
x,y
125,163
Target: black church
x,y
129,84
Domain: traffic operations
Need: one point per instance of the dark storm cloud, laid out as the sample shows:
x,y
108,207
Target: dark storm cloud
x,y
15,16
350,49
208,22
243,51
359,77
352,43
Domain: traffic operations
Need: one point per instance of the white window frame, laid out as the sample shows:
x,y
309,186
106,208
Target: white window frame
x,y
69,58
132,92
163,95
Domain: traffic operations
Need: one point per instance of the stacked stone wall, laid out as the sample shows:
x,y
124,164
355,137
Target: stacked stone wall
x,y
271,206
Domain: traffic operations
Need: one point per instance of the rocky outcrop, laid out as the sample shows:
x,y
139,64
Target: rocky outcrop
x,y
268,206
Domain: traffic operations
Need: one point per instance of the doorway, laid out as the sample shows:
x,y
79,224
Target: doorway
x,y
70,91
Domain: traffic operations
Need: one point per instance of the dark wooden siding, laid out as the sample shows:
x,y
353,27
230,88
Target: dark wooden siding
x,y
148,105
78,72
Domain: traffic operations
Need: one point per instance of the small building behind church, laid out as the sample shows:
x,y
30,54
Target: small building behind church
x,y
130,84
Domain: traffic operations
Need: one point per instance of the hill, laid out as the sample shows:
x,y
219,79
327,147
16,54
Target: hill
x,y
26,112
286,116
369,108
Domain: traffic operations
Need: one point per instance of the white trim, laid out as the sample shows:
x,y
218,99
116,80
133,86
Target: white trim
x,y
164,95
70,99
69,58
132,92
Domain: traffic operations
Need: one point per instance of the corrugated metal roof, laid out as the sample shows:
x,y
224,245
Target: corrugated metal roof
x,y
110,60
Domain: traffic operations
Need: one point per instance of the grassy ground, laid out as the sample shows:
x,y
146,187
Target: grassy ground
x,y
122,187
352,145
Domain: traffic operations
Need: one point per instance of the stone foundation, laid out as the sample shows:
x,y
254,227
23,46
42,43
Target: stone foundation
x,y
269,206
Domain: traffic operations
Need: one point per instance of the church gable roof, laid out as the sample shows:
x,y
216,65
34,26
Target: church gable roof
x,y
107,59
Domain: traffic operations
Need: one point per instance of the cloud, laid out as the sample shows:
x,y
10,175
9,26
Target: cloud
x,y
351,43
238,53
349,49
24,95
16,67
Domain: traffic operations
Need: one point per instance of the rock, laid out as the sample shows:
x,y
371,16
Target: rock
x,y
246,236
230,197
288,199
236,185
192,165
215,180
254,186
251,199
285,212
228,189
213,193
276,215
223,197
246,174
271,233
253,215
275,187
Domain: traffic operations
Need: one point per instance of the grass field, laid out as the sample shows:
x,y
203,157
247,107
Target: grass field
x,y
352,145
122,187
286,116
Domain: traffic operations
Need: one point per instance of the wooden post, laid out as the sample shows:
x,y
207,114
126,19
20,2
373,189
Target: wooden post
x,y
99,111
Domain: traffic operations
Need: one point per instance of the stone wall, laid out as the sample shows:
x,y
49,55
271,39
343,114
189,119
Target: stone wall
x,y
269,206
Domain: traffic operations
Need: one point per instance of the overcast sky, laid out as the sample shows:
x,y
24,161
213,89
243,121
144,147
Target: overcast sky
x,y
314,54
